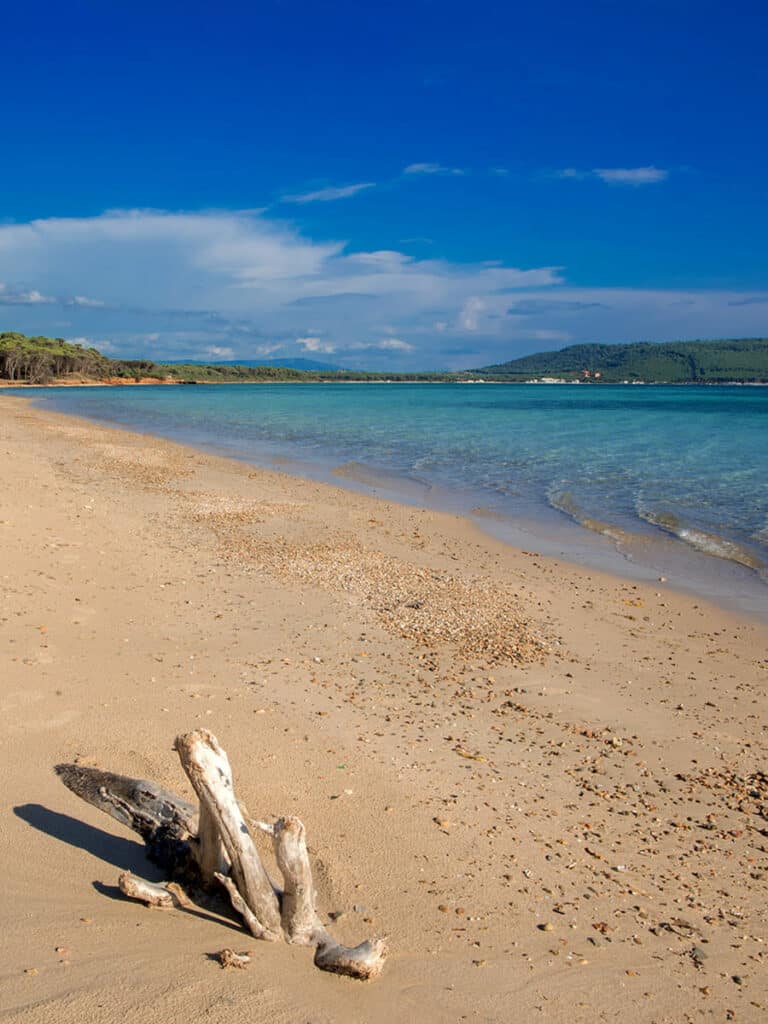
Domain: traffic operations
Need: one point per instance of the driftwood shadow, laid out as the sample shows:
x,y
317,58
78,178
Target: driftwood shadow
x,y
122,853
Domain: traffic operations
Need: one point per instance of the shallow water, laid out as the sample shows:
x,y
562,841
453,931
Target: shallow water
x,y
650,471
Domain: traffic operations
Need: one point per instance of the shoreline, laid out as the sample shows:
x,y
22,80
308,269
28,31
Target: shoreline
x,y
350,652
640,555
163,381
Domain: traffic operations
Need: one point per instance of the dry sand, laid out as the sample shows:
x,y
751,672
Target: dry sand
x,y
545,785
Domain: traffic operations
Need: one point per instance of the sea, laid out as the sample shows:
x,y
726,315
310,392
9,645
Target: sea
x,y
665,483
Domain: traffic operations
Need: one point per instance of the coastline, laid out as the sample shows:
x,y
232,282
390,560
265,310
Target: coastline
x,y
346,650
116,382
731,574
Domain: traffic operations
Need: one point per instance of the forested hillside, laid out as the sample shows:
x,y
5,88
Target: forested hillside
x,y
701,362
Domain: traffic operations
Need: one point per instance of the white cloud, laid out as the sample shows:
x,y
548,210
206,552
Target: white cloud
x,y
325,195
316,345
395,345
387,345
84,301
17,297
219,352
228,265
631,175
102,345
428,168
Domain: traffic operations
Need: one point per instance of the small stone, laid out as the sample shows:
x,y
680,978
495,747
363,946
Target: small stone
x,y
443,909
547,927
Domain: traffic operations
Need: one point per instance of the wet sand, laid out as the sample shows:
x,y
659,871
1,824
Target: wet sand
x,y
545,784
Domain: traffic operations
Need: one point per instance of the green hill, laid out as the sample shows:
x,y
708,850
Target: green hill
x,y
695,362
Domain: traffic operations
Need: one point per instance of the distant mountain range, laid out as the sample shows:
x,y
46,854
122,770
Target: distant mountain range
x,y
700,362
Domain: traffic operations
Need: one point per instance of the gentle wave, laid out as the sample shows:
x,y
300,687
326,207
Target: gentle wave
x,y
708,543
564,502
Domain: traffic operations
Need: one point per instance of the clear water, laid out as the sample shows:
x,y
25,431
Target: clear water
x,y
682,466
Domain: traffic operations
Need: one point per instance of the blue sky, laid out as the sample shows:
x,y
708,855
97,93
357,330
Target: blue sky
x,y
417,185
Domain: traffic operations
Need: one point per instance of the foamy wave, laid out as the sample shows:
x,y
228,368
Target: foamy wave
x,y
707,543
564,502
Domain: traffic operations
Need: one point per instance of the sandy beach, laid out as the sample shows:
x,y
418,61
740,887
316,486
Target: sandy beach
x,y
546,785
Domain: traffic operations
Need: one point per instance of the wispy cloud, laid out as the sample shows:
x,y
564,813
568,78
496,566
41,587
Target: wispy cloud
x,y
316,345
633,176
100,343
429,168
395,345
325,195
17,297
387,345
219,352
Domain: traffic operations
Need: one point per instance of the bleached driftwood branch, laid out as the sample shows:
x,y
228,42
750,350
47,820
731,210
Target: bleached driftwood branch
x,y
207,767
154,894
300,921
215,845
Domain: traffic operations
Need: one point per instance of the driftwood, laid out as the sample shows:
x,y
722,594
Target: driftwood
x,y
213,846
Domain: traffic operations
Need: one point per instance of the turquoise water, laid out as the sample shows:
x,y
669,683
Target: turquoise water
x,y
631,463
